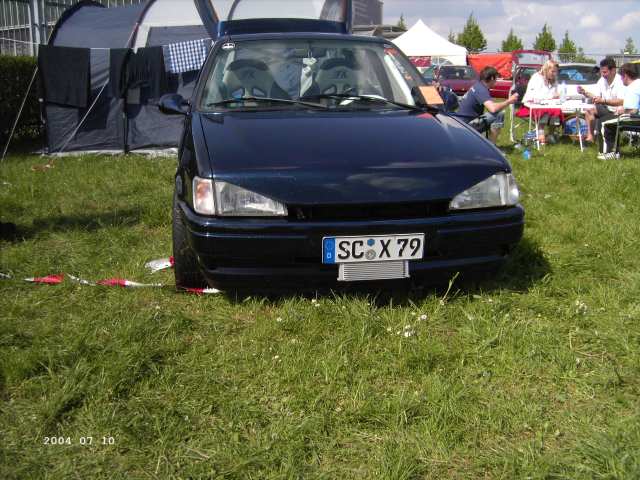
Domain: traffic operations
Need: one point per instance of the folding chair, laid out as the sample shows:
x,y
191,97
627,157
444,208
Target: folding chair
x,y
519,117
626,123
630,125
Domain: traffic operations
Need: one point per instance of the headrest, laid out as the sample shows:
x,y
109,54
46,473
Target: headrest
x,y
247,63
338,62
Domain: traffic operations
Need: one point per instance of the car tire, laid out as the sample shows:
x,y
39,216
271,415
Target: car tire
x,y
185,264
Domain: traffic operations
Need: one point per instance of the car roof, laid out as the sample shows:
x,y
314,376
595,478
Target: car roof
x,y
303,35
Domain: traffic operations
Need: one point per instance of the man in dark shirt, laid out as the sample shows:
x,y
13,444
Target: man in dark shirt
x,y
477,98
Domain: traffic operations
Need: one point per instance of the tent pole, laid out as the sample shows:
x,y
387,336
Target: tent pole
x,y
84,118
15,123
125,123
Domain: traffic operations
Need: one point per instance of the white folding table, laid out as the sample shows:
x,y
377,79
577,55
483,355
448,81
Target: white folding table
x,y
574,106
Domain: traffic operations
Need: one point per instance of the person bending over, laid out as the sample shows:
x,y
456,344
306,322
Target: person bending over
x,y
478,98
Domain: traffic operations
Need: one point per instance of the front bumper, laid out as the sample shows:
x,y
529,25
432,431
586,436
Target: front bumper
x,y
256,253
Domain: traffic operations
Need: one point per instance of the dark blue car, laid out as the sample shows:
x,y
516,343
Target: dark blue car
x,y
309,158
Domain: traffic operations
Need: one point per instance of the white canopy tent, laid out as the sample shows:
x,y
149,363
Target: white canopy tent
x,y
421,41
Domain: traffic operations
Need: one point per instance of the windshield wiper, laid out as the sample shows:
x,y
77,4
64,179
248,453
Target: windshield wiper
x,y
230,101
373,99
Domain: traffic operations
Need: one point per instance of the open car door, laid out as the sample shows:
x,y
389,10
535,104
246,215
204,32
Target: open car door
x,y
227,17
209,17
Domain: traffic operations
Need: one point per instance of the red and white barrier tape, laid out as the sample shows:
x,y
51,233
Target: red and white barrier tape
x,y
48,280
81,281
201,291
121,282
154,266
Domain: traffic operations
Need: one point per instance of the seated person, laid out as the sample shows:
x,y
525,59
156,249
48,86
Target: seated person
x,y
543,85
449,98
609,95
631,105
478,98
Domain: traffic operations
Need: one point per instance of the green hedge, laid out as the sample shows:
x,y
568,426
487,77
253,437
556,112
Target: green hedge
x,y
15,75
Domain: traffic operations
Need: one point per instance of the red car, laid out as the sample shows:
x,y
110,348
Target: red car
x,y
458,78
501,88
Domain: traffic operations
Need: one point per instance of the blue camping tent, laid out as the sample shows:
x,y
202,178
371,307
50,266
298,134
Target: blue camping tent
x,y
109,122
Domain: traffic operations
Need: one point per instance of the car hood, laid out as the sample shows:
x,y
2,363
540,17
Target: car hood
x,y
307,158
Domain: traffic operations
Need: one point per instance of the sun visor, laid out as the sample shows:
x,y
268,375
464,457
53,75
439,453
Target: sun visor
x,y
262,16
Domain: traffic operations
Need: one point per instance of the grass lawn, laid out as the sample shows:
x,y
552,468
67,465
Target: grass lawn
x,y
532,374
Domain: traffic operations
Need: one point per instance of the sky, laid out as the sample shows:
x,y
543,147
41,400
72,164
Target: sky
x,y
599,27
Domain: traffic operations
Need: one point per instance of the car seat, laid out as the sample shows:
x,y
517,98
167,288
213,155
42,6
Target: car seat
x,y
337,75
251,78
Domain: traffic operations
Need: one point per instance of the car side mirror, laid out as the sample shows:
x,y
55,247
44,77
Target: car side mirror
x,y
173,104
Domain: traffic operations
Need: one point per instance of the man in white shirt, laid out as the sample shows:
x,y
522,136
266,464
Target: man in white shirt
x,y
608,96
630,106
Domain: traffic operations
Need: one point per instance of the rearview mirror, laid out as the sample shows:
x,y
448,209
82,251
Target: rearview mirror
x,y
173,104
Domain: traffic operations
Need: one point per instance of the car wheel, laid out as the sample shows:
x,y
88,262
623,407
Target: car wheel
x,y
185,267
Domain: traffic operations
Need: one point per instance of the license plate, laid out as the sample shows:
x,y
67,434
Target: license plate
x,y
376,248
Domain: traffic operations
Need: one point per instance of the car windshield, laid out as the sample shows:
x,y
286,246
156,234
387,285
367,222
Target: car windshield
x,y
577,74
457,73
290,73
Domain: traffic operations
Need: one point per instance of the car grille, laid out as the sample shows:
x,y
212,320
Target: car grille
x,y
367,212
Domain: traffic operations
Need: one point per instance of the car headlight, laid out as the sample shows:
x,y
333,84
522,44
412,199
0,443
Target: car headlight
x,y
499,190
203,196
228,200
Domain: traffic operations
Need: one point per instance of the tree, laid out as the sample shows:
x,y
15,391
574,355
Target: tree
x,y
452,36
544,40
582,58
629,47
471,36
511,43
567,49
401,24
